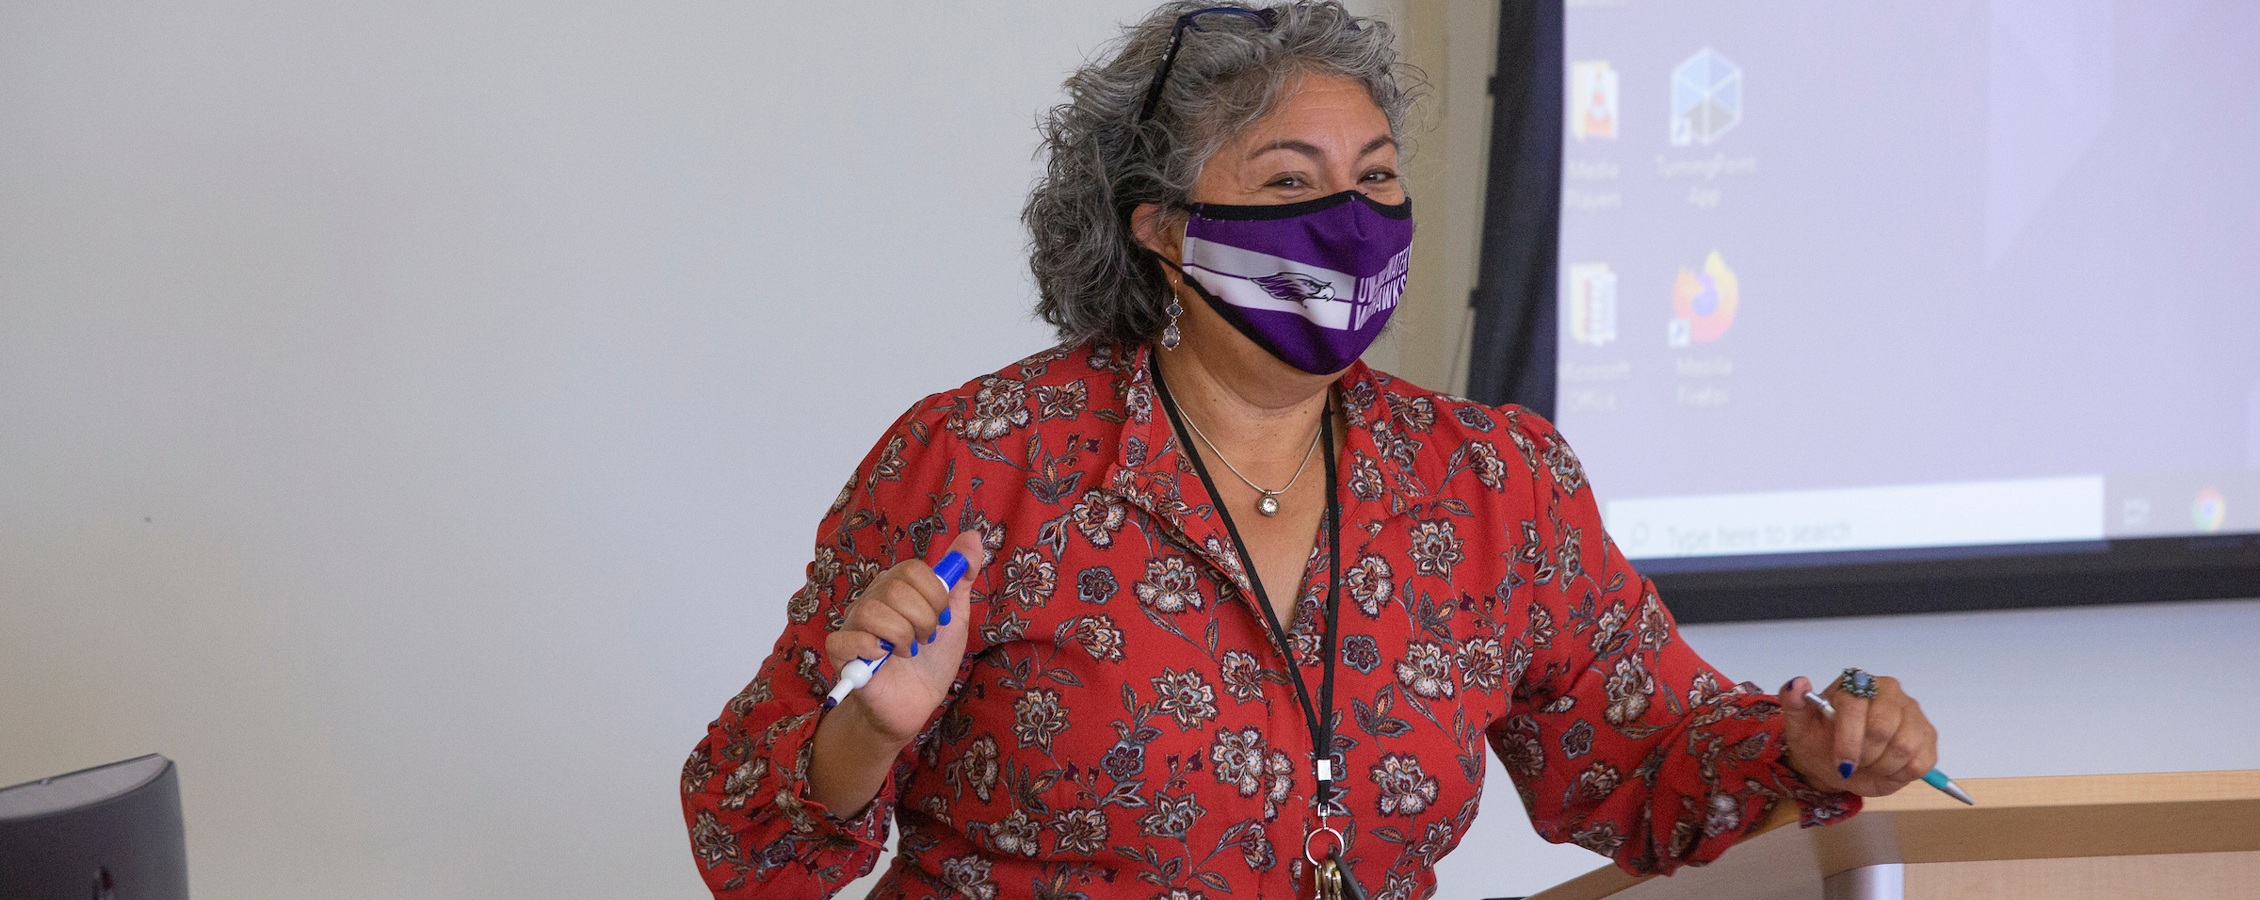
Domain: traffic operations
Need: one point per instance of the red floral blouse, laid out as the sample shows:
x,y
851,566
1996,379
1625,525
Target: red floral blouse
x,y
1123,725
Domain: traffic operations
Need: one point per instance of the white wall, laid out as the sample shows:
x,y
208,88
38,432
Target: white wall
x,y
414,415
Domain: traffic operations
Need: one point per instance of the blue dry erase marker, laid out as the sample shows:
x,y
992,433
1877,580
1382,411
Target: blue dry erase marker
x,y
858,672
1934,777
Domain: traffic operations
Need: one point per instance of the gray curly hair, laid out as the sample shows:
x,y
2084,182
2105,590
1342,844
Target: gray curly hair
x,y
1095,281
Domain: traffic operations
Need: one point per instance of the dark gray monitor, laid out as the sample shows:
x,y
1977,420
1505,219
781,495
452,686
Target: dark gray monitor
x,y
111,832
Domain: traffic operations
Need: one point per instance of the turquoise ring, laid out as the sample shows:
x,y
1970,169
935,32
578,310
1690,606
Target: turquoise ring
x,y
1857,683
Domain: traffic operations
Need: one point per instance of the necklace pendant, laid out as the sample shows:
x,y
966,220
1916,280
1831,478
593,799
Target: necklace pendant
x,y
1269,504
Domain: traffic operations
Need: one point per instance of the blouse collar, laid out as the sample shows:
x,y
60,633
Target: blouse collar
x,y
1151,472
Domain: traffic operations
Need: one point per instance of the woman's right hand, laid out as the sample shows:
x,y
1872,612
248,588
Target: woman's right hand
x,y
904,608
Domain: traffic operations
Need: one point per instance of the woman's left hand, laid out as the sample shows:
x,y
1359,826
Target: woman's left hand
x,y
1874,747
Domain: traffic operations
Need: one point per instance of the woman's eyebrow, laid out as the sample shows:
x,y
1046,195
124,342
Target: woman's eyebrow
x,y
1303,147
1311,150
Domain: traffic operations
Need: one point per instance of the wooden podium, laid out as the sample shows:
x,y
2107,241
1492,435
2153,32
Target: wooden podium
x,y
2106,837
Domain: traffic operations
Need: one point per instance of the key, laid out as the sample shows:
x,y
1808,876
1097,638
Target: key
x,y
1345,884
1329,876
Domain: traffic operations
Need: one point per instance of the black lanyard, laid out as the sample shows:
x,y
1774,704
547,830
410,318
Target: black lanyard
x,y
1321,726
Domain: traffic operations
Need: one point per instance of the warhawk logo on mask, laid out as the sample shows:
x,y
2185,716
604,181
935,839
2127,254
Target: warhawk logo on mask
x,y
1296,288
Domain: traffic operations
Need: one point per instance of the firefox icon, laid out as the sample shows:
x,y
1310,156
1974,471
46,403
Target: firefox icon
x,y
1704,300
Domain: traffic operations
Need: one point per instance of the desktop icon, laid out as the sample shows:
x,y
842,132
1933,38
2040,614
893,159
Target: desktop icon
x,y
1593,100
1592,304
1706,98
2134,512
2209,510
1703,302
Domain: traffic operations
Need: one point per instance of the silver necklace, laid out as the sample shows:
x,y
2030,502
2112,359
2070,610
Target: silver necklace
x,y
1268,504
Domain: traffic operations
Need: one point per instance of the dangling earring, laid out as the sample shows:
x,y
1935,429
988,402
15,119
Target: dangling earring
x,y
1169,335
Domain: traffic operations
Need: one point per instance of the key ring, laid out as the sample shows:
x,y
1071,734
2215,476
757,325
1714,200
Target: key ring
x,y
1322,829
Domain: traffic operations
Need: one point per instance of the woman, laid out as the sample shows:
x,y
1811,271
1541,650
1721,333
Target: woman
x,y
1200,483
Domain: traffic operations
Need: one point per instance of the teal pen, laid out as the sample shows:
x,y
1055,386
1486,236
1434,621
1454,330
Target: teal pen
x,y
1934,777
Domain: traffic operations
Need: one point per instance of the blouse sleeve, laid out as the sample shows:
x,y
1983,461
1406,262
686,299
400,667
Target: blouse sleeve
x,y
1620,738
754,829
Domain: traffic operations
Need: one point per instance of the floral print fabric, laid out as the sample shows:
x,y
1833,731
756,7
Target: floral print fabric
x,y
1123,725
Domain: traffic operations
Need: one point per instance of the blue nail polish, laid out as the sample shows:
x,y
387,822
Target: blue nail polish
x,y
883,645
914,652
1843,769
930,636
945,615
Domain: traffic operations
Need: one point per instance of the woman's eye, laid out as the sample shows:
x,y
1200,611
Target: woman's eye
x,y
1380,176
1287,181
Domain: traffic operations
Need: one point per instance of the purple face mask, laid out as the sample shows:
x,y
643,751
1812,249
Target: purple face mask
x,y
1312,282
